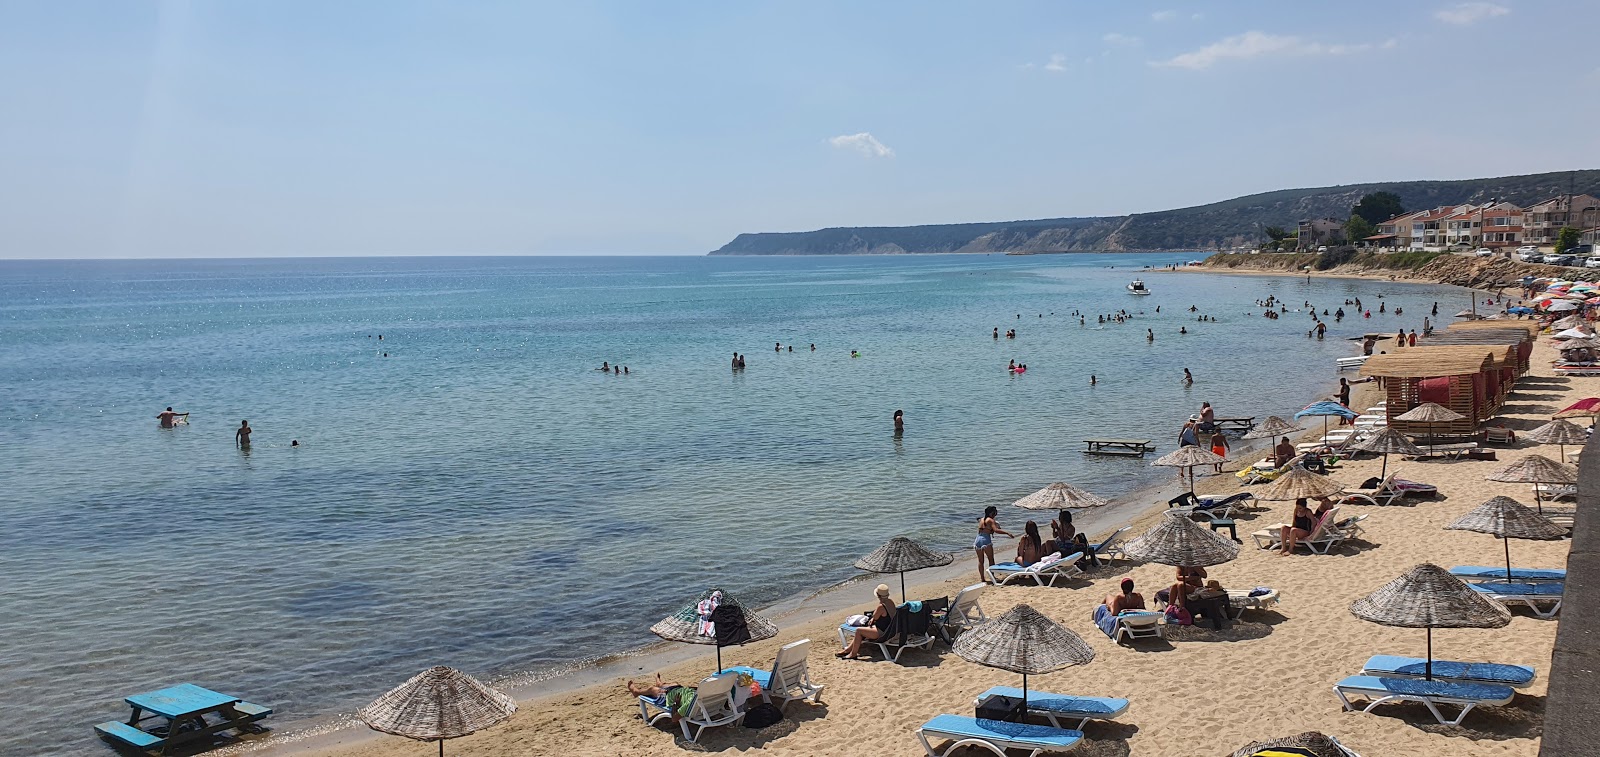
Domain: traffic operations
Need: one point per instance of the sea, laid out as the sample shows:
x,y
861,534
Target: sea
x,y
440,472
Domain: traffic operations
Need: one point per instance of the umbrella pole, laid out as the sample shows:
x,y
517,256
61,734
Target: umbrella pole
x,y
1536,501
1507,542
903,597
1383,474
1427,672
1024,716
1191,481
719,658
441,747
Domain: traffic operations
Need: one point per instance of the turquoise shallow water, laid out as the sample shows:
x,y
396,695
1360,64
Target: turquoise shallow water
x,y
485,498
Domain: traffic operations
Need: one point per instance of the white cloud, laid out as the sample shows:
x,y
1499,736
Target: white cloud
x,y
1057,64
1124,40
1163,16
1468,13
1255,44
864,143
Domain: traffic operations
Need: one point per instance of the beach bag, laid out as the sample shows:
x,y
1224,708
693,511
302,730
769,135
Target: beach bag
x,y
762,715
858,621
1179,615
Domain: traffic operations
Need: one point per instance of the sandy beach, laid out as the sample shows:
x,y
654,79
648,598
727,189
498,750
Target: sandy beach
x,y
1201,692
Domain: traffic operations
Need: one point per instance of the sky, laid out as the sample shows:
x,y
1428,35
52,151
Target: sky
x,y
247,129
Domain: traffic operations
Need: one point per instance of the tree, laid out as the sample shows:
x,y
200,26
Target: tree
x,y
1567,238
1378,207
1357,229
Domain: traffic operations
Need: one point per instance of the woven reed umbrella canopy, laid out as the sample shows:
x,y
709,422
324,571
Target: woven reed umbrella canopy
x,y
1308,744
1387,441
689,625
1429,413
1187,457
1062,497
1272,427
437,704
1560,433
1023,641
899,555
1569,322
1299,483
1508,519
1535,469
1588,407
1427,596
1181,542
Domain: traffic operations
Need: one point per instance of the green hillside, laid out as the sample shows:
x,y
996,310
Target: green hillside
x,y
1223,224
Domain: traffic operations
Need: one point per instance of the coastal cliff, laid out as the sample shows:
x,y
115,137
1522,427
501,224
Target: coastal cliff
x,y
1439,267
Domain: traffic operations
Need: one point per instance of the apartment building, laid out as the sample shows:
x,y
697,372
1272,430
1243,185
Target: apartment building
x,y
1542,222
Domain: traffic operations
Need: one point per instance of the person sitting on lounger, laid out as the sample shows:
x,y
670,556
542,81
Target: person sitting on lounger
x,y
1062,532
1199,574
878,625
1206,601
1030,547
1127,600
1282,453
1302,526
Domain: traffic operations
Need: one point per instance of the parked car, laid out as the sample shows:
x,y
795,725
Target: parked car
x,y
1527,248
1593,262
1484,252
1559,259
1529,256
1582,249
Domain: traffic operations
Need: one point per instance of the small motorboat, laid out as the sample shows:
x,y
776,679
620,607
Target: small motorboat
x,y
1137,287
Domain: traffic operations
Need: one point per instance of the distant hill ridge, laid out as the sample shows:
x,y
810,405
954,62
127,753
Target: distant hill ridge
x,y
1220,225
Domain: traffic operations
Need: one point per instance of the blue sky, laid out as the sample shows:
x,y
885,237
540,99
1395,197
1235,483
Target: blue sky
x,y
219,129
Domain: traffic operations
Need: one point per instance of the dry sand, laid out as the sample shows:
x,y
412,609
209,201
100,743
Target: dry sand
x,y
1201,693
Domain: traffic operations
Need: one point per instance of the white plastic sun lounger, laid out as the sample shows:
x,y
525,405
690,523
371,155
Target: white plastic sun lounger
x,y
713,706
995,736
1241,600
1129,624
1054,707
789,678
1390,666
1497,574
1111,547
1429,693
1321,540
1039,574
964,613
1532,595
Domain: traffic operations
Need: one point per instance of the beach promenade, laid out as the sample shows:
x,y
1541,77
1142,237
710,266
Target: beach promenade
x,y
1201,692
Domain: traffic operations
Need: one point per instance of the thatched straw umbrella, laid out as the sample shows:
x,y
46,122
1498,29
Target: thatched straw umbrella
x,y
1187,457
1310,743
1560,433
1387,441
1429,413
1023,641
1062,497
1182,543
437,704
1535,469
899,555
1271,428
1508,519
715,618
1299,483
1427,596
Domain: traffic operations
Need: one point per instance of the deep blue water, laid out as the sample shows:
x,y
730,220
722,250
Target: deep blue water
x,y
485,498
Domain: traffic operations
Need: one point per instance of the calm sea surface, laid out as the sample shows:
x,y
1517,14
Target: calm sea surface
x,y
485,498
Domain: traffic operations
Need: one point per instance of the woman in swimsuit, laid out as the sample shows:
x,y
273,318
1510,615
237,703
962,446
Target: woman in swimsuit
x,y
1030,547
1304,524
984,544
882,619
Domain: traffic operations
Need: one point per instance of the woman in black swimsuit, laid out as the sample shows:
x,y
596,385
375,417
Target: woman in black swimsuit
x,y
1304,523
882,619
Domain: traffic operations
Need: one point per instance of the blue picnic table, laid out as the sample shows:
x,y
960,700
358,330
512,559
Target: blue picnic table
x,y
182,714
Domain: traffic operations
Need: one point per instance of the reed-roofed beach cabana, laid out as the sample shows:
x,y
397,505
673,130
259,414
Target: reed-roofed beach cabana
x,y
1452,376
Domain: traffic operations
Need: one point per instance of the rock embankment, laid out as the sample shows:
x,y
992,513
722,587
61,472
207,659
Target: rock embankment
x,y
1443,268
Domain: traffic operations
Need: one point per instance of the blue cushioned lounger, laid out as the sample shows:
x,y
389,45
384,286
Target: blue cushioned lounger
x,y
1516,676
1521,575
1534,596
1429,693
996,736
1054,706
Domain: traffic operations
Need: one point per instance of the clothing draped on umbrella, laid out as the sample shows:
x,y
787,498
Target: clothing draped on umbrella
x,y
1271,428
1429,413
1535,469
1427,596
1187,457
900,555
1299,483
1326,409
1023,641
1181,542
715,618
1387,441
1560,433
1508,519
437,704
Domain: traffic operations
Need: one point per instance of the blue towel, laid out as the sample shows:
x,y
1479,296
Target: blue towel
x,y
1105,620
914,606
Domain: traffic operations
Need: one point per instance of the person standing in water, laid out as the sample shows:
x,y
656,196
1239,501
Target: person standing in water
x,y
1188,378
1219,446
984,544
241,438
167,418
899,422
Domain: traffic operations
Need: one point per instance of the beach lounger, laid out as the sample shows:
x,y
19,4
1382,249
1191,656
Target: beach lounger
x,y
789,678
1129,624
1383,494
1531,595
1055,707
1323,538
712,706
964,613
1350,527
911,629
1111,546
1429,693
1240,600
1556,491
1350,363
1389,666
1454,451
1039,573
1497,574
996,736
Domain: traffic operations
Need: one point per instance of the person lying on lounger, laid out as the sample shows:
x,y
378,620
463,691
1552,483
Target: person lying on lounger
x,y
673,696
1127,600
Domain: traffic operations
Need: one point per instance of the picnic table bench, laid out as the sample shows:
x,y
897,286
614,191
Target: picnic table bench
x,y
1235,424
1128,447
181,712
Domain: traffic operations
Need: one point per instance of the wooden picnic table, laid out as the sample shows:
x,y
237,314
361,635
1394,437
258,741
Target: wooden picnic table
x,y
1127,447
1235,424
181,712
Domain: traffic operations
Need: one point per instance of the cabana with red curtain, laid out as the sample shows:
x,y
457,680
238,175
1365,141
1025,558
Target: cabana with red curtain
x,y
1452,376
